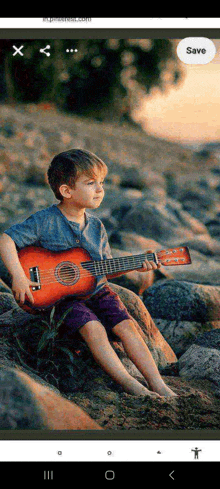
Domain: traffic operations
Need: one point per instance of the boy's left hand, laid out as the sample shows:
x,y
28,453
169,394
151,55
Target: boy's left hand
x,y
149,265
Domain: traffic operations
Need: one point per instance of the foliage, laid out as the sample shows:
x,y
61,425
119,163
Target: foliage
x,y
40,349
99,76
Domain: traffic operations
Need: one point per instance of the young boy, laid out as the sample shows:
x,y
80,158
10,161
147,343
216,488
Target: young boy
x,y
76,178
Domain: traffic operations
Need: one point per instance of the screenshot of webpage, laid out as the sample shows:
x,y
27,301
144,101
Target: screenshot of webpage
x,y
109,248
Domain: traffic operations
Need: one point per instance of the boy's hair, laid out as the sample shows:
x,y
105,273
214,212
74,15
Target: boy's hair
x,y
66,167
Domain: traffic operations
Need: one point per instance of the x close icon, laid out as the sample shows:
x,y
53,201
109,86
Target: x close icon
x,y
18,50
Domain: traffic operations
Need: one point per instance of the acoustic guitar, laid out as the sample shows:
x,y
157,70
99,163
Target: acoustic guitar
x,y
73,272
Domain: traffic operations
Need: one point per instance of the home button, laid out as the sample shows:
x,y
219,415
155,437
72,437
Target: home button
x,y
109,475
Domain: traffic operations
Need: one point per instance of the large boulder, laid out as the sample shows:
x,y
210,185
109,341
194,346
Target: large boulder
x,y
15,319
159,347
29,404
203,269
173,299
162,222
135,280
182,310
125,243
199,362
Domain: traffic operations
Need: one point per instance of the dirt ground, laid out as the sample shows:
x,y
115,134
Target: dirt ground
x,y
196,407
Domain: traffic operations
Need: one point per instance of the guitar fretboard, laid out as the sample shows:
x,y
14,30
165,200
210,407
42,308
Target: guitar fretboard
x,y
114,265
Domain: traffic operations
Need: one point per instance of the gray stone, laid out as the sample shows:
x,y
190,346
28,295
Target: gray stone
x,y
162,221
185,301
199,362
181,334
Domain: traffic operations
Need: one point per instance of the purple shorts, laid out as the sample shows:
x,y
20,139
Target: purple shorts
x,y
105,307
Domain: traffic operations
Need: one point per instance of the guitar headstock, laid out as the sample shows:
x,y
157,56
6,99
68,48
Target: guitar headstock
x,y
174,256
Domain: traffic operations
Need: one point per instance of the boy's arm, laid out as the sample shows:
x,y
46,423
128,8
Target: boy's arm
x,y
20,283
146,265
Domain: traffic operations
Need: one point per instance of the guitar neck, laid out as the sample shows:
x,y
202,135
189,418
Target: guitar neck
x,y
120,264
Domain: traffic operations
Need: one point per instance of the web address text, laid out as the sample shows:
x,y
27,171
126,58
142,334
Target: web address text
x,y
67,19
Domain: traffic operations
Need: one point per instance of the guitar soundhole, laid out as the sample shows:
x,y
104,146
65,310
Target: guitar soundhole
x,y
67,273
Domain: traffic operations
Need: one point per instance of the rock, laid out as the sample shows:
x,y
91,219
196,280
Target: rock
x,y
213,226
136,209
119,198
14,317
210,339
182,310
196,201
160,349
176,300
134,280
140,178
7,302
4,287
180,335
11,315
27,404
4,274
162,222
205,244
203,269
132,243
199,362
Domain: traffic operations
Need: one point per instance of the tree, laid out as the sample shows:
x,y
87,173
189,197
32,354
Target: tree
x,y
98,77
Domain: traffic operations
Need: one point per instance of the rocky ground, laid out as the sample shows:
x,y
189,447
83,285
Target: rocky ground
x,y
158,194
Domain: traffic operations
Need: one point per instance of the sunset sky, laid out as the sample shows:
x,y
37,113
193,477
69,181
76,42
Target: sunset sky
x,y
191,112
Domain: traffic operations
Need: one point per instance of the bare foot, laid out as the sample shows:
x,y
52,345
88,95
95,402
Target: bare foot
x,y
163,390
167,392
136,388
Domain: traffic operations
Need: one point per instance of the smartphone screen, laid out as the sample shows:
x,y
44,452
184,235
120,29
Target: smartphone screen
x,y
137,391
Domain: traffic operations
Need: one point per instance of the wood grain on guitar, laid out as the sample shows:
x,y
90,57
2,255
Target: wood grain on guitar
x,y
74,272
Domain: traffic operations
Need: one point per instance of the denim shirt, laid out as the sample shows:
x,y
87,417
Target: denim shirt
x,y
50,229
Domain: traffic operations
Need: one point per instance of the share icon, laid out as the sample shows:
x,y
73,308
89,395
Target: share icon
x,y
43,50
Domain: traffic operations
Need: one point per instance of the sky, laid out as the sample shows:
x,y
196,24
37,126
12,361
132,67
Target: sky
x,y
189,113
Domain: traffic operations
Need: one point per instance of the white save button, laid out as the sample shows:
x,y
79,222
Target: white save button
x,y
196,50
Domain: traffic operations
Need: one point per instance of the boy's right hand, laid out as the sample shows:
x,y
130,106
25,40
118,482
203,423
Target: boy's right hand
x,y
21,287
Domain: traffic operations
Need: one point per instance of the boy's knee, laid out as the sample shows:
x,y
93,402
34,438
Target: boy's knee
x,y
123,327
92,329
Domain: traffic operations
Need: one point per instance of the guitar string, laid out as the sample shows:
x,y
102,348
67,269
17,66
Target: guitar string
x,y
98,269
102,265
85,273
91,269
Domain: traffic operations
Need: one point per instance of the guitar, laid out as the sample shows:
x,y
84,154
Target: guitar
x,y
73,272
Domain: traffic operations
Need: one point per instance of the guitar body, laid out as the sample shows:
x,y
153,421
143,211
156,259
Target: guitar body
x,y
59,273
73,272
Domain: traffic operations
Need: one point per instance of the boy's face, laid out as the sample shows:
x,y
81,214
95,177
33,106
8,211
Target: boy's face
x,y
87,193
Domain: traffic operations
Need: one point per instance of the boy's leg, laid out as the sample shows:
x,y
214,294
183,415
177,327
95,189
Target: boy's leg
x,y
138,352
97,340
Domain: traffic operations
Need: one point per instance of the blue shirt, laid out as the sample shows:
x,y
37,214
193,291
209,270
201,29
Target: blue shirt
x,y
50,229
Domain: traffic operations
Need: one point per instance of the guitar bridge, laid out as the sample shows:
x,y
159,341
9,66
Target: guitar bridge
x,y
35,277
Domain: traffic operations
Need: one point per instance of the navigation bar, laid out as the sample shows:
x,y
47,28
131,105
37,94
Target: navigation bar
x,y
110,450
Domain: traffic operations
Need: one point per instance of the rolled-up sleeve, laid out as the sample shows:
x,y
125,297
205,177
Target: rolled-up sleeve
x,y
25,233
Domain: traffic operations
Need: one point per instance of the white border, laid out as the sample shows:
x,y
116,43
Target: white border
x,y
104,23
109,450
